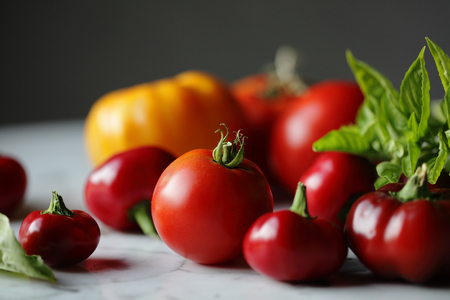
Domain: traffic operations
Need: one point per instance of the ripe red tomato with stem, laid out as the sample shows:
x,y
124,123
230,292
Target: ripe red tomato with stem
x,y
62,237
205,201
335,180
402,230
119,191
324,106
290,245
13,183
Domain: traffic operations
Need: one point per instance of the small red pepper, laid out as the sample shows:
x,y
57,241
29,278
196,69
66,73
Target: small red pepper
x,y
119,192
60,236
290,245
403,230
13,182
335,180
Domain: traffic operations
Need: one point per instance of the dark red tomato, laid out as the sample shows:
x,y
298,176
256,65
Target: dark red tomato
x,y
402,231
325,106
289,245
205,201
60,236
262,99
119,192
334,180
13,183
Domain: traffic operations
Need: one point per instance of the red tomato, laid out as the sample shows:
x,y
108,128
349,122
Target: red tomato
x,y
323,107
60,236
119,192
203,206
262,101
289,245
13,182
334,180
404,234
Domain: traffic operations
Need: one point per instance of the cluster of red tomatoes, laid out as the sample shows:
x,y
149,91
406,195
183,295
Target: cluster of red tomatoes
x,y
213,206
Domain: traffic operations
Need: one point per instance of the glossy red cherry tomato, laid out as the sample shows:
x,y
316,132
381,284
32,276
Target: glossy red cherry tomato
x,y
289,245
119,192
402,230
334,181
60,236
205,201
325,106
13,182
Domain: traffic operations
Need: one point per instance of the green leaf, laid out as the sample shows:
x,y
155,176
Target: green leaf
x,y
370,80
14,259
390,171
415,94
442,63
392,119
347,139
381,181
409,161
446,106
436,164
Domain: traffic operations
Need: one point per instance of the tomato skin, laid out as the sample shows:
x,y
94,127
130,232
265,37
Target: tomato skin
x,y
123,181
333,179
401,240
13,182
288,247
202,209
325,106
59,240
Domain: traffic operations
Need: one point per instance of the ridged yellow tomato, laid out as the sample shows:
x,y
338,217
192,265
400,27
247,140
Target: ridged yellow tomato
x,y
177,114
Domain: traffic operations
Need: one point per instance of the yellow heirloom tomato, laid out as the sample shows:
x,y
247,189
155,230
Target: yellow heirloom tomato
x,y
177,114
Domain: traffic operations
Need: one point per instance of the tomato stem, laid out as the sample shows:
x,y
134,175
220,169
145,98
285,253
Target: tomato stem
x,y
300,205
226,153
416,187
141,213
57,206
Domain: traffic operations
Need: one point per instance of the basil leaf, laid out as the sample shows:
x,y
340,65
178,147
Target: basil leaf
x,y
390,171
14,259
409,161
415,94
370,80
442,63
347,139
446,106
436,164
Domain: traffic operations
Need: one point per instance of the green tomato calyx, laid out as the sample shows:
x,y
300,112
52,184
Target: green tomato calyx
x,y
227,153
300,205
416,187
57,206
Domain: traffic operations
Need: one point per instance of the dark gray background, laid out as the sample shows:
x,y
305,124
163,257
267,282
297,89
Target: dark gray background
x,y
59,57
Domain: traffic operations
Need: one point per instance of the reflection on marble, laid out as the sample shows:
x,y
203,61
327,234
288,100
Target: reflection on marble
x,y
134,266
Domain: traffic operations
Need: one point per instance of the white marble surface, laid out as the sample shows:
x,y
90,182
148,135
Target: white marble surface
x,y
133,266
